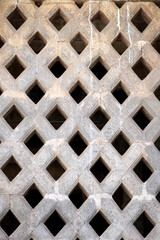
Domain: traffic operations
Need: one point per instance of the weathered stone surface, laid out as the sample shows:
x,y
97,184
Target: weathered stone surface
x,y
100,143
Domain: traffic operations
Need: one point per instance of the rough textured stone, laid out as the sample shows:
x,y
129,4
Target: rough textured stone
x,y
37,69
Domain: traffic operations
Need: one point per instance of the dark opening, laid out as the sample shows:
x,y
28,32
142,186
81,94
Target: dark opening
x,y
38,3
99,170
157,92
119,4
78,43
142,170
55,169
141,20
77,196
11,168
157,3
142,118
13,117
79,3
143,224
55,223
16,18
158,196
141,68
77,144
77,93
100,21
120,44
58,20
56,118
35,93
99,223
15,67
156,44
120,143
57,68
34,143
99,118
98,69
33,196
119,93
121,197
37,43
2,42
157,143
9,223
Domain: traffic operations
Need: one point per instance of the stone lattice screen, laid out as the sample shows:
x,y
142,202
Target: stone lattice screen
x,y
80,120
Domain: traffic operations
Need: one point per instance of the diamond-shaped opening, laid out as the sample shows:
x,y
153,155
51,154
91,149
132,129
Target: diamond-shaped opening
x,y
98,68
16,18
143,170
121,143
78,196
144,224
11,168
119,4
2,42
120,93
156,43
15,67
59,20
141,20
100,21
157,143
56,169
37,42
55,223
79,43
35,92
142,68
78,92
99,118
13,117
57,67
9,223
157,92
121,197
33,196
34,142
99,170
56,117
78,144
142,118
38,3
79,3
99,223
158,196
120,44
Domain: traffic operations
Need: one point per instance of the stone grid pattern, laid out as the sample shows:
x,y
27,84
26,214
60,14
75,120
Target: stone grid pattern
x,y
99,142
